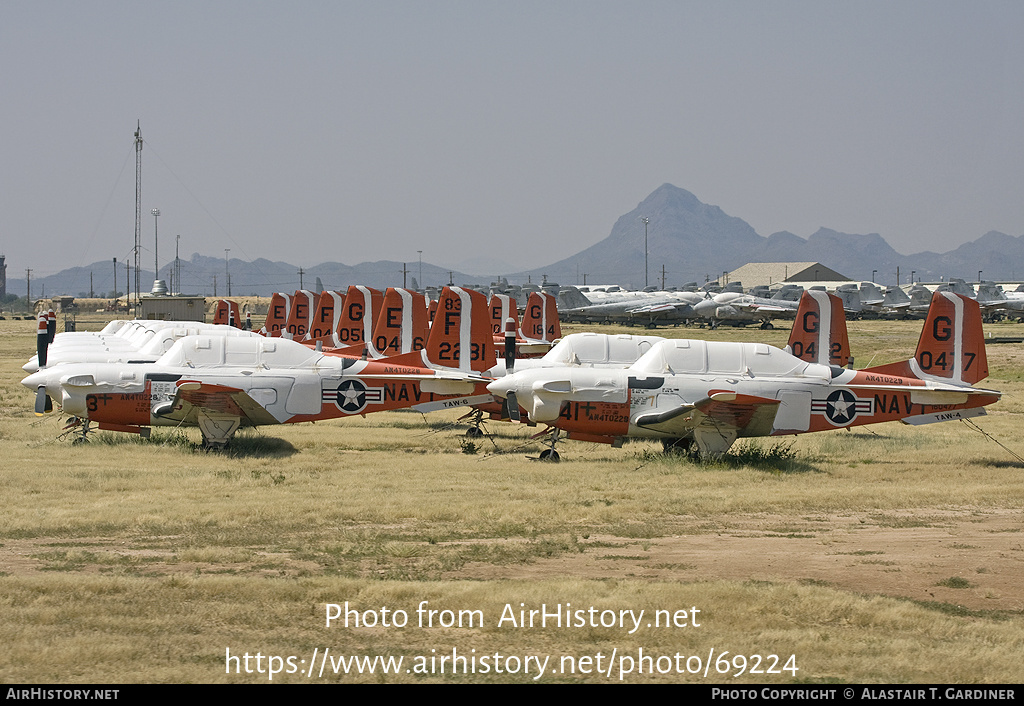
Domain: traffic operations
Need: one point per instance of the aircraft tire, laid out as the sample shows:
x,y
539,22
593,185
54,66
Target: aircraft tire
x,y
474,432
681,447
550,455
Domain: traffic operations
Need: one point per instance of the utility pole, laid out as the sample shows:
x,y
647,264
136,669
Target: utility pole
x,y
28,288
301,273
156,243
663,277
227,274
91,293
405,274
646,220
177,263
215,285
115,278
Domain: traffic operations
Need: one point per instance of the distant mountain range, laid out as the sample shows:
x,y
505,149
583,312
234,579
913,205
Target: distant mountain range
x,y
690,239
694,240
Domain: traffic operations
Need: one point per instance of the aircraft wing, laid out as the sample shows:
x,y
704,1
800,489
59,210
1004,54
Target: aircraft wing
x,y
761,307
749,415
746,414
193,399
653,308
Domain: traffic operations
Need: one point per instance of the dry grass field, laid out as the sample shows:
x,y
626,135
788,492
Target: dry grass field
x,y
891,554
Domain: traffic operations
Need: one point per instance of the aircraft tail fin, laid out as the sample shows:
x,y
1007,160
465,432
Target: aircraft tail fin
x,y
895,297
952,344
502,308
325,318
301,314
355,325
402,325
277,314
226,313
540,320
819,332
460,336
850,296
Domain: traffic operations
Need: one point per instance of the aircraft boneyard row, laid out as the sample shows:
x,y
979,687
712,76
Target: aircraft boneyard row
x,y
694,395
700,396
220,378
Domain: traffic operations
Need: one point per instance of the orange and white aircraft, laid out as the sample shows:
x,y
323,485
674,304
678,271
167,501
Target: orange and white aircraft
x,y
222,383
539,329
226,313
700,396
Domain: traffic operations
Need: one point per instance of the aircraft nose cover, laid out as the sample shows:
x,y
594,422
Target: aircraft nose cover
x,y
34,380
500,387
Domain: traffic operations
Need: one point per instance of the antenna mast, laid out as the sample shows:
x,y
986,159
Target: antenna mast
x,y
138,208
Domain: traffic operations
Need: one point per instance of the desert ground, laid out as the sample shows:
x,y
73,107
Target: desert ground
x,y
888,554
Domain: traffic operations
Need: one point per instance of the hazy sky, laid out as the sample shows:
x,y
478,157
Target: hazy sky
x,y
515,131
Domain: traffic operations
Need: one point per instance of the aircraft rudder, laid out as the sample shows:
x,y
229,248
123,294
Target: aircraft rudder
x,y
819,333
952,343
460,336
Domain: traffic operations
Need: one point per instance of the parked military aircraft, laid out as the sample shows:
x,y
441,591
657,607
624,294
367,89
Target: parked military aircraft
x,y
700,396
736,307
220,384
135,341
647,309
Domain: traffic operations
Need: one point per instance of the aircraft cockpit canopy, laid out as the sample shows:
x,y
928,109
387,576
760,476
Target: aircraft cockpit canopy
x,y
254,351
682,356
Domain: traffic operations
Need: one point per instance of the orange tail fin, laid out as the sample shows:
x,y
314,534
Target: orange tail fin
x,y
402,325
819,332
540,321
325,320
303,306
226,313
355,326
502,308
277,314
462,325
952,343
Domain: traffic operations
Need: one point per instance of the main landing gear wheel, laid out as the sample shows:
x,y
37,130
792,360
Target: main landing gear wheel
x,y
81,430
680,447
549,454
767,326
475,432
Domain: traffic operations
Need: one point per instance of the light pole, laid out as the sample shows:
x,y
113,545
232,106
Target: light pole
x,y
156,257
227,274
177,263
873,276
646,220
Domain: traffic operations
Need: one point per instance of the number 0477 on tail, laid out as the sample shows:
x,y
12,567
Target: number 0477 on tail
x,y
701,396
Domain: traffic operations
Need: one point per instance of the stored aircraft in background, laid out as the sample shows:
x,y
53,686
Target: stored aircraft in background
x,y
700,396
734,307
